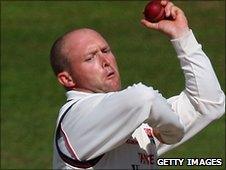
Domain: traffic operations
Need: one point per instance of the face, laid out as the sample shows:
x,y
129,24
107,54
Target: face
x,y
93,67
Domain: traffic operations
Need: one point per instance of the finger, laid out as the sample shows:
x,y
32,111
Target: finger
x,y
164,2
150,24
168,8
175,11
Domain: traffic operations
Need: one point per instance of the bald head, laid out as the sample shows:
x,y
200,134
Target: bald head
x,y
62,47
82,60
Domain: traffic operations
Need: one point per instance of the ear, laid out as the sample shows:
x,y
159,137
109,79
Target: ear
x,y
66,80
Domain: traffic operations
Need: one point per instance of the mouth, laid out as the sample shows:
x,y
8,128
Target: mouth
x,y
110,74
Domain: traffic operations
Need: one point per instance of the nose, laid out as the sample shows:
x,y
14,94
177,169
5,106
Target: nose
x,y
105,60
106,63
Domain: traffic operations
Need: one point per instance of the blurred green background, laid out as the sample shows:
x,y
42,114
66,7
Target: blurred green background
x,y
31,96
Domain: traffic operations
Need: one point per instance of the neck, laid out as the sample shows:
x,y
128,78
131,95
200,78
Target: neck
x,y
83,90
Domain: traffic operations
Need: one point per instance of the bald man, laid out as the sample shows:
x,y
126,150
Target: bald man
x,y
102,126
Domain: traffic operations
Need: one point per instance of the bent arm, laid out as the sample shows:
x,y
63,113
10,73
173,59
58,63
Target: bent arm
x,y
165,122
102,122
202,101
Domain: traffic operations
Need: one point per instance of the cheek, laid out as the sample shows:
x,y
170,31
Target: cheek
x,y
114,64
91,71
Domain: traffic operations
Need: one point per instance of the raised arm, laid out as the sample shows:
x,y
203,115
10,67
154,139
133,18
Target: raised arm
x,y
202,101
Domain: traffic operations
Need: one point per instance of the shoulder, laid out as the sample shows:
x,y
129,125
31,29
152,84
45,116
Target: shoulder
x,y
139,90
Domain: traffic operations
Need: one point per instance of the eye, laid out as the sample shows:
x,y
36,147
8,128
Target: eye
x,y
106,50
90,57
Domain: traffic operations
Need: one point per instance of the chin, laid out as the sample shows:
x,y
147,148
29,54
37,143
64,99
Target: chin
x,y
114,87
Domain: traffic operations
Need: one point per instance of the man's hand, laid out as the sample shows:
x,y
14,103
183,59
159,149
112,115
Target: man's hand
x,y
156,133
174,28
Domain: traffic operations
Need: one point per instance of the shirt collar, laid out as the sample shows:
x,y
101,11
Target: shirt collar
x,y
76,95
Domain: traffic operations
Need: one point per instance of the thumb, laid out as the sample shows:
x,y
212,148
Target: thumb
x,y
150,24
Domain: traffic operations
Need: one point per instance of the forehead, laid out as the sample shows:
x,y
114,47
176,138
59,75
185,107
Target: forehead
x,y
79,43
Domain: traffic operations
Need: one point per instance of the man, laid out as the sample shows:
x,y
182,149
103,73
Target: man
x,y
104,127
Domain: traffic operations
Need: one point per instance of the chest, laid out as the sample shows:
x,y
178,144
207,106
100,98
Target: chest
x,y
130,156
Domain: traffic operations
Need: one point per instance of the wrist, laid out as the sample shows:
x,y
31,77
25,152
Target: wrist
x,y
185,45
180,33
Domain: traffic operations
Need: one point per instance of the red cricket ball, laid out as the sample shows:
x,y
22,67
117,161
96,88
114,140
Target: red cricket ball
x,y
154,11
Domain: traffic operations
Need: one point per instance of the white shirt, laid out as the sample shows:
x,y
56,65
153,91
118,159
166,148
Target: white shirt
x,y
118,125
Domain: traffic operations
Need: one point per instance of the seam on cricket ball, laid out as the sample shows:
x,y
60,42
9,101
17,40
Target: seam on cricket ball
x,y
160,15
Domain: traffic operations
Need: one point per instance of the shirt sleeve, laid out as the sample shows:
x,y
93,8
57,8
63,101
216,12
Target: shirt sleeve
x,y
202,101
102,122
